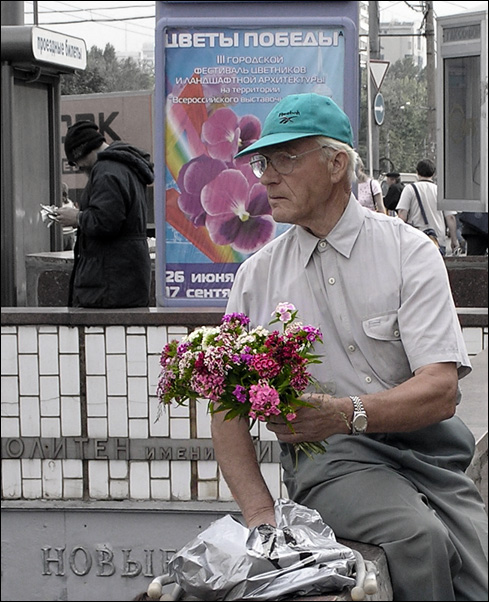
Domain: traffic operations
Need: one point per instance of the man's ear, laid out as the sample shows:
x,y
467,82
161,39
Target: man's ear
x,y
339,166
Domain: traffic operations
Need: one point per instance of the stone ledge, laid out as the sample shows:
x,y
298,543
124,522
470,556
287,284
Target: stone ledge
x,y
48,275
468,280
145,316
76,531
158,316
371,553
473,317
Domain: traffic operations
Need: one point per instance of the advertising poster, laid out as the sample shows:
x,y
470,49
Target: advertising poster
x,y
220,84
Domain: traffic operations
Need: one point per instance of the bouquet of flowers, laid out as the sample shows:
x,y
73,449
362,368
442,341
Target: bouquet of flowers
x,y
246,373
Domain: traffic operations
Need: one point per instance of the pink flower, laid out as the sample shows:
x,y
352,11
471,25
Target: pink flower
x,y
224,134
249,373
266,366
312,334
264,401
220,134
284,311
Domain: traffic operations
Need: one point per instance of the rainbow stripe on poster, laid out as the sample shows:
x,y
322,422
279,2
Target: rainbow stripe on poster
x,y
183,142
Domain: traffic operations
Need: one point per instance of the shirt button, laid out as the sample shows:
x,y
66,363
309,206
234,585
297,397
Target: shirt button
x,y
322,244
396,333
351,348
368,379
331,280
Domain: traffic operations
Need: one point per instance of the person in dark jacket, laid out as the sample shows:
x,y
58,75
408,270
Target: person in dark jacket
x,y
393,194
474,231
112,266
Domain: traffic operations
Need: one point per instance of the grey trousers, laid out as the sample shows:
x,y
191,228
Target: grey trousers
x,y
407,493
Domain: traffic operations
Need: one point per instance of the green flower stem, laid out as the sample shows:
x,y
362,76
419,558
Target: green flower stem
x,y
309,448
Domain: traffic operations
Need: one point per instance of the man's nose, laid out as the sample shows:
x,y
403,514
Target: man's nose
x,y
270,174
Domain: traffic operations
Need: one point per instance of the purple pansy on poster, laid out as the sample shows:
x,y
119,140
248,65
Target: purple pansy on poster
x,y
223,194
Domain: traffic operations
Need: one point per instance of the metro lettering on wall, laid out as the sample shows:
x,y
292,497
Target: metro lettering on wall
x,y
104,123
103,561
123,116
121,448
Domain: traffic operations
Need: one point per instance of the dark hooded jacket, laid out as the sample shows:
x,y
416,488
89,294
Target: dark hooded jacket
x,y
112,263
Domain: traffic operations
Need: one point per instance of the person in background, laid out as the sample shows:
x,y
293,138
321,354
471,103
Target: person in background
x,y
369,191
474,232
69,233
393,473
112,266
394,189
409,210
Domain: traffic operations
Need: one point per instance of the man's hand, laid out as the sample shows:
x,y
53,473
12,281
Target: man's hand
x,y
67,216
327,416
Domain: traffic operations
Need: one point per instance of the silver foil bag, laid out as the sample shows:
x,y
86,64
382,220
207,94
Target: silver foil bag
x,y
227,561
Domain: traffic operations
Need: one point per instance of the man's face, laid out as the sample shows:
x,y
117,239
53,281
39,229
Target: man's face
x,y
86,163
301,196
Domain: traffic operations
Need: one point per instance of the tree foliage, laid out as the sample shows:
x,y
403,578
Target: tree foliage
x,y
106,73
403,135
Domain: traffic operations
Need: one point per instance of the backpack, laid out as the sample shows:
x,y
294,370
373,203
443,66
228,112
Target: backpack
x,y
430,233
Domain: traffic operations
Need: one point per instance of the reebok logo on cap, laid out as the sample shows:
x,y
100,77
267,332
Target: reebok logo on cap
x,y
288,117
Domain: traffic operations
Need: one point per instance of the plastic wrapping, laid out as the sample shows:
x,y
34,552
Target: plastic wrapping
x,y
48,214
227,561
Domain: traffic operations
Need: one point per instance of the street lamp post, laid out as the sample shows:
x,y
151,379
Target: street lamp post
x,y
431,81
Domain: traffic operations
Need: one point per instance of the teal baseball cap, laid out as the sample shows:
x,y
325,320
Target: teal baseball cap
x,y
301,115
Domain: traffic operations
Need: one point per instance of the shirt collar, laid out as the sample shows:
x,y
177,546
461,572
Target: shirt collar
x,y
342,237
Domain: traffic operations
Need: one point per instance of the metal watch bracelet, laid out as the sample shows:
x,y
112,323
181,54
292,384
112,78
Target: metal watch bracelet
x,y
359,419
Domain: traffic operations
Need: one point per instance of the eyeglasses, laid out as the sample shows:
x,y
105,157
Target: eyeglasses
x,y
282,162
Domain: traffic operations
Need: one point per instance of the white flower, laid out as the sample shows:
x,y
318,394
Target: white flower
x,y
294,327
260,331
209,334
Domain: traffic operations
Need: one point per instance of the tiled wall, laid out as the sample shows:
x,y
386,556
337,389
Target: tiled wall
x,y
99,383
475,339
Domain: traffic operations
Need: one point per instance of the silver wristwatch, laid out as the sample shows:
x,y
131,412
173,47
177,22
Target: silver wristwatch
x,y
359,420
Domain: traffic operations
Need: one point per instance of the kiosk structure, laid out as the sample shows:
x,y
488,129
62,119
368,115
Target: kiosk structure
x,y
33,59
462,112
220,68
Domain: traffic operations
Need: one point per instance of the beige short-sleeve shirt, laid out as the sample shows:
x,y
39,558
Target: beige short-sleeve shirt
x,y
381,319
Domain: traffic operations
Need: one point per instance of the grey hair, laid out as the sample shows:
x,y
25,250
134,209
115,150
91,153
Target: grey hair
x,y
353,156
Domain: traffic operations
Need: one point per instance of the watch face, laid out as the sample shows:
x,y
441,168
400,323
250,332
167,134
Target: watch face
x,y
360,423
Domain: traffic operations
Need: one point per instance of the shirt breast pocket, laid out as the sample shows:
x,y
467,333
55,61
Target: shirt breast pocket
x,y
386,353
383,328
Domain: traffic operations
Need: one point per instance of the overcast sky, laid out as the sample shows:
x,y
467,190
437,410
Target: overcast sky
x,y
119,26
130,35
